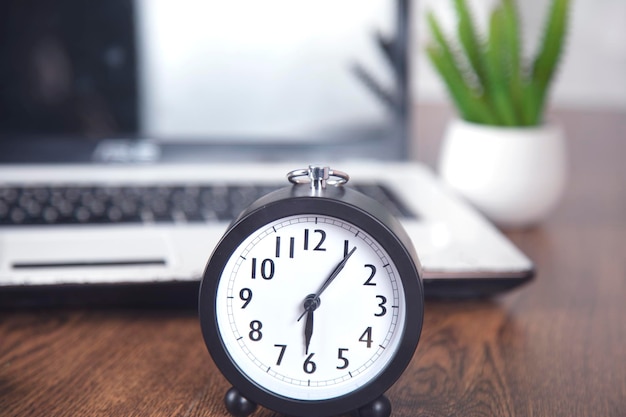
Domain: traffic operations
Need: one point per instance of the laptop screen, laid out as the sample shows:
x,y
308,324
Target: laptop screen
x,y
198,72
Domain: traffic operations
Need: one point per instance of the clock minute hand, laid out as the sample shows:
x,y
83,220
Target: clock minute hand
x,y
335,272
315,297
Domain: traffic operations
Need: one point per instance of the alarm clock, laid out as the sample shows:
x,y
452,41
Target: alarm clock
x,y
312,302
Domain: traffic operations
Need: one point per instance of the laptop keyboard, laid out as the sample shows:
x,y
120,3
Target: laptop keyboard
x,y
63,205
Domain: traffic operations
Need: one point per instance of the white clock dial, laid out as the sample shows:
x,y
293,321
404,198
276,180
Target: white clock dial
x,y
340,346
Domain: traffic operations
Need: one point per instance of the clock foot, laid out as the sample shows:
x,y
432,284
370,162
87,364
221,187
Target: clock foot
x,y
380,407
237,404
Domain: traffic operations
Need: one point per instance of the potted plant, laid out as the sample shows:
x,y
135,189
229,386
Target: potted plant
x,y
501,154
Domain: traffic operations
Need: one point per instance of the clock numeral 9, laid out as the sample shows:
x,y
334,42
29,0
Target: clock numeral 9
x,y
246,295
267,268
255,330
309,366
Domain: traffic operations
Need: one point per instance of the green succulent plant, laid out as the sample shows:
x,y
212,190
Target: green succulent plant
x,y
487,76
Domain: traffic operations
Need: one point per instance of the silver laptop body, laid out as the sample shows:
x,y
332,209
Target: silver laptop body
x,y
43,261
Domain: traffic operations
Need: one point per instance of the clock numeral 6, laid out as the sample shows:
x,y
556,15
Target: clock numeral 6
x,y
309,366
267,268
255,331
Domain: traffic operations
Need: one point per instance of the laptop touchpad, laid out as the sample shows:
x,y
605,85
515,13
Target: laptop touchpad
x,y
75,249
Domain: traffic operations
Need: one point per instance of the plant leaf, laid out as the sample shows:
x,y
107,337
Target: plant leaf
x,y
468,36
498,68
549,53
471,106
454,84
513,49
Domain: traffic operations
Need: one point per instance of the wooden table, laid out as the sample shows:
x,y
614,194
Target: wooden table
x,y
556,347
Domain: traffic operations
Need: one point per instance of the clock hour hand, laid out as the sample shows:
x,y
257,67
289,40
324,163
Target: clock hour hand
x,y
311,302
308,330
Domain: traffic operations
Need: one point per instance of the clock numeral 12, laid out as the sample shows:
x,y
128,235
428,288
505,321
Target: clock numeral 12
x,y
317,247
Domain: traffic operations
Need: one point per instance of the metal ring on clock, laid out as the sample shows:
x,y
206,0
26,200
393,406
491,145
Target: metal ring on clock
x,y
318,174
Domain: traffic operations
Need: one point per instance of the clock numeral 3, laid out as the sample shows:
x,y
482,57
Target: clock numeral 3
x,y
383,309
255,331
267,268
309,366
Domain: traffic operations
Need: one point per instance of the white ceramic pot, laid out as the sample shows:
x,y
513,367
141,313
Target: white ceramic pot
x,y
514,175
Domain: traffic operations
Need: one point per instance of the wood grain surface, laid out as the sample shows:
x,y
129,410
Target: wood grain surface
x,y
556,347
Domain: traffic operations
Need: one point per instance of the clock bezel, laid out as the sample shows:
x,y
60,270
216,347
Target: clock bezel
x,y
349,206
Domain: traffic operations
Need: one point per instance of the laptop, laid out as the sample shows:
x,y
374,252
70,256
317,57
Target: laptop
x,y
133,131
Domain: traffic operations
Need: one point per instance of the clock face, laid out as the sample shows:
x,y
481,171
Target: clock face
x,y
310,307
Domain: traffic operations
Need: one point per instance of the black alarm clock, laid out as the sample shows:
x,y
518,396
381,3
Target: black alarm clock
x,y
312,303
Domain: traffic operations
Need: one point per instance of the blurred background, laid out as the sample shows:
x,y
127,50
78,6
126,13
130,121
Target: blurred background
x,y
189,69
